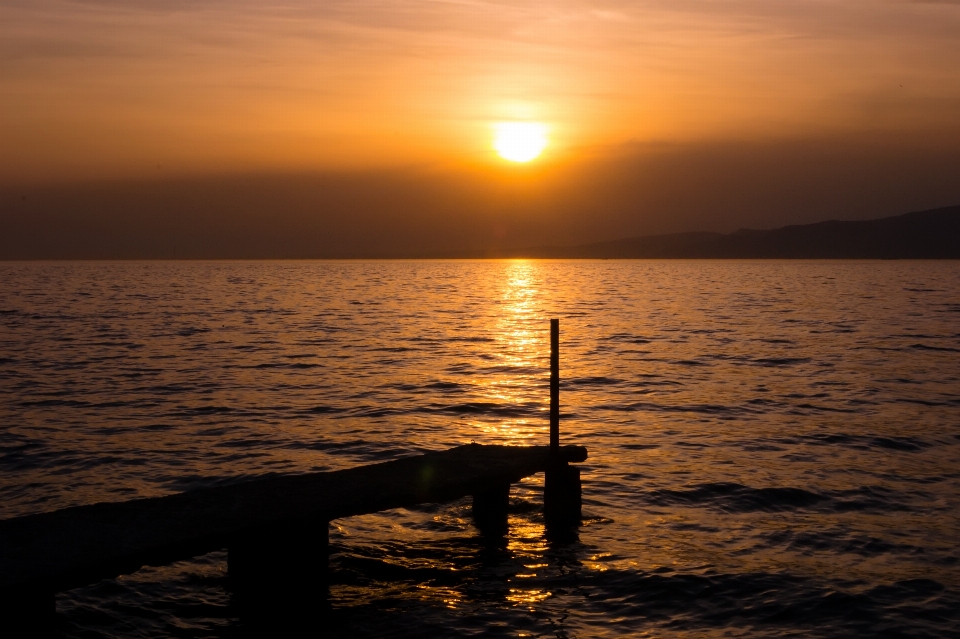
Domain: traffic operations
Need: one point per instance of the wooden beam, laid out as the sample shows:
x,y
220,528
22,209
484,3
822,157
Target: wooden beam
x,y
73,547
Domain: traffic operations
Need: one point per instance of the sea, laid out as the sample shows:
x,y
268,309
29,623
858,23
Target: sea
x,y
774,446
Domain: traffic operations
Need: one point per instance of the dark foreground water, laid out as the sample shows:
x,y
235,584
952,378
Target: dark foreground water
x,y
774,446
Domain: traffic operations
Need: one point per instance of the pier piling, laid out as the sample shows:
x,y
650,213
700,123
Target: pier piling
x,y
278,574
28,612
490,510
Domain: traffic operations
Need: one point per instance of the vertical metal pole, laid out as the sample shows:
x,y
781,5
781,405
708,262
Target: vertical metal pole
x,y
555,385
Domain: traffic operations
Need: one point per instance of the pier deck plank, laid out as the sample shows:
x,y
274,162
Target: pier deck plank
x,y
76,546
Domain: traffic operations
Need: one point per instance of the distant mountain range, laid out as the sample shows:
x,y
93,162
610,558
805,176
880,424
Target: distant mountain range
x,y
933,234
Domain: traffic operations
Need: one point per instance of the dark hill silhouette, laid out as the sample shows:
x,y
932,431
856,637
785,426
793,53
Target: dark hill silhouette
x,y
933,234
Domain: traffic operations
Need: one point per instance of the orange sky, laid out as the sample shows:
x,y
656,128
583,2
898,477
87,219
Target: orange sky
x,y
110,88
238,128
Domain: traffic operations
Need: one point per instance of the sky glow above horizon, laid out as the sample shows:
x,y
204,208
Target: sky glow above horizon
x,y
373,127
107,89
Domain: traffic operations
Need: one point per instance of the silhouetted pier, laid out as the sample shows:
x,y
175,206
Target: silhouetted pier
x,y
275,529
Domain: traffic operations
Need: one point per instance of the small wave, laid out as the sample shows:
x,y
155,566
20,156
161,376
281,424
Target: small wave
x,y
826,409
329,445
513,370
926,402
356,570
444,386
41,403
169,389
690,362
840,542
684,601
780,361
192,330
733,497
375,412
899,443
863,442
487,408
285,366
208,410
324,410
927,347
709,409
730,497
869,498
590,381
627,338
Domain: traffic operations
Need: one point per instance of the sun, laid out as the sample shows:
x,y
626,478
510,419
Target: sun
x,y
519,141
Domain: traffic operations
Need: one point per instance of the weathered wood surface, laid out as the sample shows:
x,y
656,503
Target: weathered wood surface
x,y
77,546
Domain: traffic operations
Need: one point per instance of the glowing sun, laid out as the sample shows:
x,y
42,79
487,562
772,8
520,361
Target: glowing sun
x,y
519,141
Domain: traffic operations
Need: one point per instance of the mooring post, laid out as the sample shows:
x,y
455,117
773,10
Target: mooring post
x,y
28,612
561,489
490,511
280,570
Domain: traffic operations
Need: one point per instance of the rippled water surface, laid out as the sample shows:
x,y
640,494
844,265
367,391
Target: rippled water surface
x,y
774,446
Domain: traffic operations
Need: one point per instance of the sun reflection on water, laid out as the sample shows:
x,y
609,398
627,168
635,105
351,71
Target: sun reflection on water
x,y
526,538
527,597
519,350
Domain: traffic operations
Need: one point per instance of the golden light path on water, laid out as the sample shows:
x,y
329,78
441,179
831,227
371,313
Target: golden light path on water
x,y
518,347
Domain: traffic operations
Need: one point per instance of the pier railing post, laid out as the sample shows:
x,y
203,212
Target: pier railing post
x,y
561,490
554,387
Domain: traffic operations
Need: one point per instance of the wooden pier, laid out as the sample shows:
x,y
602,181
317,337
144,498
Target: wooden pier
x,y
275,529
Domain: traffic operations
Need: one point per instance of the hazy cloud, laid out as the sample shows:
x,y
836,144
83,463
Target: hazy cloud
x,y
635,190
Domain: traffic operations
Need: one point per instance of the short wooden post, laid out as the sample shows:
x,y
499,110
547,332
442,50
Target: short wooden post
x,y
280,571
28,612
562,497
490,510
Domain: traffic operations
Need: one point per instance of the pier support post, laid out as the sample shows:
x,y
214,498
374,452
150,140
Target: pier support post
x,y
490,510
30,612
554,387
562,498
280,572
